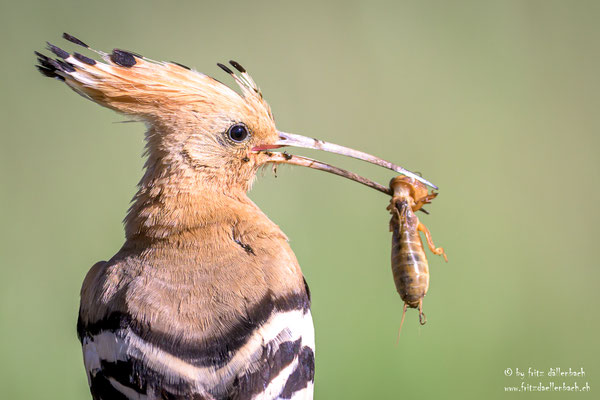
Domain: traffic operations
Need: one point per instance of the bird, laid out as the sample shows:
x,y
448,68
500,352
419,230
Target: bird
x,y
205,300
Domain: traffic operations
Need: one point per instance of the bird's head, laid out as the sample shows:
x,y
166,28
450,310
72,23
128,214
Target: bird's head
x,y
209,134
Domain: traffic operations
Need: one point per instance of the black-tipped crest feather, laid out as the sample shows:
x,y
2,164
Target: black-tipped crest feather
x,y
225,68
57,50
84,59
73,39
123,58
181,65
237,66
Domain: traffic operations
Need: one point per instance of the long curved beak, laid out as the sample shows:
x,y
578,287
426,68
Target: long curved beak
x,y
293,140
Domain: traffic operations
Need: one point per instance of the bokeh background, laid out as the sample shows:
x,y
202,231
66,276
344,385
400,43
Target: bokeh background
x,y
496,102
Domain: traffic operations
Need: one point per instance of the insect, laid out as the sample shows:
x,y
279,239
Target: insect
x,y
409,263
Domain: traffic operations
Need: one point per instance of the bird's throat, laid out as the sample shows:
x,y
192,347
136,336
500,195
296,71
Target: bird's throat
x,y
171,203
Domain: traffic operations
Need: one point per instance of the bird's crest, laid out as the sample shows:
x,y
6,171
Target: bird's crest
x,y
132,84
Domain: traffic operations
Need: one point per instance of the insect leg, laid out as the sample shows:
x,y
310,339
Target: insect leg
x,y
422,317
439,250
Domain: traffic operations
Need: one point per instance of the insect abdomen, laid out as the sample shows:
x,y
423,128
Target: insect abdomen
x,y
409,263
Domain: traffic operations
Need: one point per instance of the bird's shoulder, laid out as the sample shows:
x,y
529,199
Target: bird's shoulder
x,y
214,276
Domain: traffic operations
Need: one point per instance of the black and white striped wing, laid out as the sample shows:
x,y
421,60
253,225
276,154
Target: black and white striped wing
x,y
268,355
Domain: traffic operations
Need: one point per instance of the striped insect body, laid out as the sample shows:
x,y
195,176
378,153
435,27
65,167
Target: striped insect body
x,y
409,262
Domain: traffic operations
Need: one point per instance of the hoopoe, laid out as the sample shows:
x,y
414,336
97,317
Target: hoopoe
x,y
205,300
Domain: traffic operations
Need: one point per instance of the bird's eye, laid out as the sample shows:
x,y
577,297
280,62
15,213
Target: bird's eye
x,y
238,133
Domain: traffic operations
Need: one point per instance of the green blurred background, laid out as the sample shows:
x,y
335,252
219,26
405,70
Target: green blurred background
x,y
496,102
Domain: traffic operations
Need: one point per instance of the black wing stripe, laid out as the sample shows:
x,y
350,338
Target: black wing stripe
x,y
133,375
248,385
216,352
302,375
102,389
123,372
